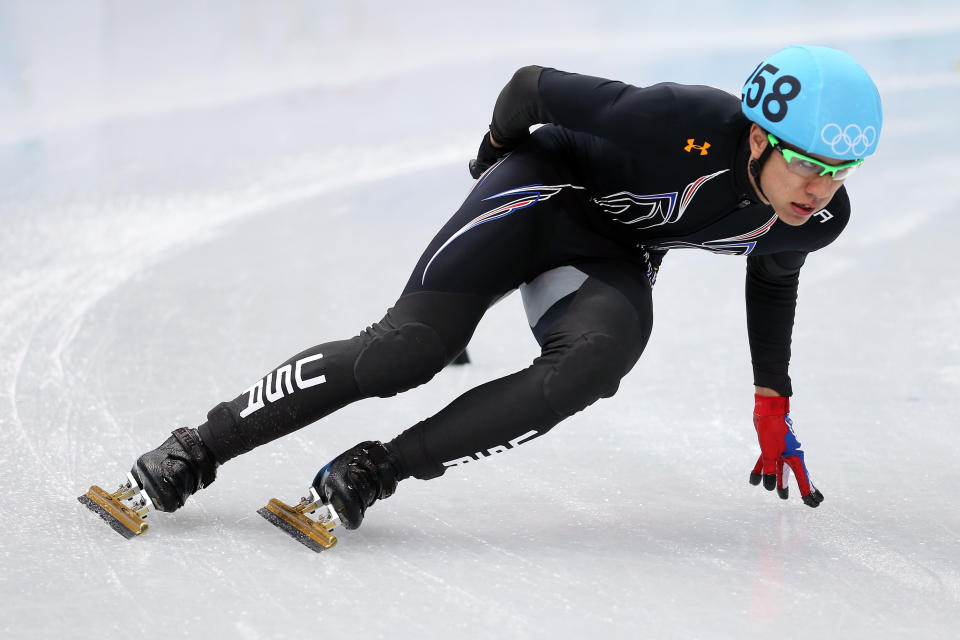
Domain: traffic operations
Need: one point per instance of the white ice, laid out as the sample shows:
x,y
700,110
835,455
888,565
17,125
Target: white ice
x,y
193,192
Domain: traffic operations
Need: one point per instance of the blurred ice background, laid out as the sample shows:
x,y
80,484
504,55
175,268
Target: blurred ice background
x,y
192,192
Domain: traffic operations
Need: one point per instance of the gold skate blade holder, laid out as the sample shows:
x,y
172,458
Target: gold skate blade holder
x,y
310,522
124,509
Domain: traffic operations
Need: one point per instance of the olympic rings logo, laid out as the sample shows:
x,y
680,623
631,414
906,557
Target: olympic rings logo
x,y
849,138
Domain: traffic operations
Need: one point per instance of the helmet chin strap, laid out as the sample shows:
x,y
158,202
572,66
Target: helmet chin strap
x,y
756,166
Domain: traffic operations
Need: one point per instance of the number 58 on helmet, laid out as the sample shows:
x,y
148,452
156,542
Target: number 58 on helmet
x,y
817,99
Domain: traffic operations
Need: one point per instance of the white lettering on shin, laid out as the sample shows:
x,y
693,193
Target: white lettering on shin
x,y
283,382
500,448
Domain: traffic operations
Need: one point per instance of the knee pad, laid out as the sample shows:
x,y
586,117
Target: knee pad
x,y
399,359
590,369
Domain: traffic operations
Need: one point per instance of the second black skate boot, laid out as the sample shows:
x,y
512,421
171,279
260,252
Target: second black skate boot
x,y
356,479
175,470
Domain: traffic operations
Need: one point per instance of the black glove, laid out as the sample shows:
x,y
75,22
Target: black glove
x,y
487,155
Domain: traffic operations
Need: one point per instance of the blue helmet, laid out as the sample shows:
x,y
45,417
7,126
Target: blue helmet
x,y
815,98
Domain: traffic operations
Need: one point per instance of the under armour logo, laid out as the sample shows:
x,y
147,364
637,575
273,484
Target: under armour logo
x,y
824,215
691,146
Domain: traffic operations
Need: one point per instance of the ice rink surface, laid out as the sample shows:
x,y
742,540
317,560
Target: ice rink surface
x,y
193,192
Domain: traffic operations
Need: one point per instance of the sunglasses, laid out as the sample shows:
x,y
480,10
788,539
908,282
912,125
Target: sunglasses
x,y
804,165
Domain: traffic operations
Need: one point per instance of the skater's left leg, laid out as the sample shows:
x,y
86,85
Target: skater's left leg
x,y
419,335
591,336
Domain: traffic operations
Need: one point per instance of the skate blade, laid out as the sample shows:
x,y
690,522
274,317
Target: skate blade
x,y
313,533
123,519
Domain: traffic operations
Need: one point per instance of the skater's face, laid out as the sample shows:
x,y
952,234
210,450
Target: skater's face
x,y
795,198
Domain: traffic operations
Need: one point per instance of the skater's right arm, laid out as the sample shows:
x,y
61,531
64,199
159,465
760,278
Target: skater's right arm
x,y
598,106
624,114
539,95
517,109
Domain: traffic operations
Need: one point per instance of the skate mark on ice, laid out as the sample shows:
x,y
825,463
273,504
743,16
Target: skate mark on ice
x,y
233,542
862,545
103,554
19,428
447,586
495,547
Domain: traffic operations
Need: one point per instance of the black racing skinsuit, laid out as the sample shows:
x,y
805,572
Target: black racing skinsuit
x,y
617,177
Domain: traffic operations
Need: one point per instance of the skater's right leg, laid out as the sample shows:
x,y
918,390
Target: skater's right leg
x,y
592,327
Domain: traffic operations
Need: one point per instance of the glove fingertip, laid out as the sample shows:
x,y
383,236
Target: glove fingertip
x,y
783,493
769,481
813,499
755,479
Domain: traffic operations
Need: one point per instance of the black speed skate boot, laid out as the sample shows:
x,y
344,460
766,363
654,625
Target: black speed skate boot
x,y
175,470
161,479
357,478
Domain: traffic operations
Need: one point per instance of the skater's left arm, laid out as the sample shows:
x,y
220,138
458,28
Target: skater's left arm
x,y
771,297
771,294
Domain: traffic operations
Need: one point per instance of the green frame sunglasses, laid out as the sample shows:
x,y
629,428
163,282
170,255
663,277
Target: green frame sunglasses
x,y
804,165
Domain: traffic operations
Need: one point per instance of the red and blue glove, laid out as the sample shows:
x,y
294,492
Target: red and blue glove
x,y
780,451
